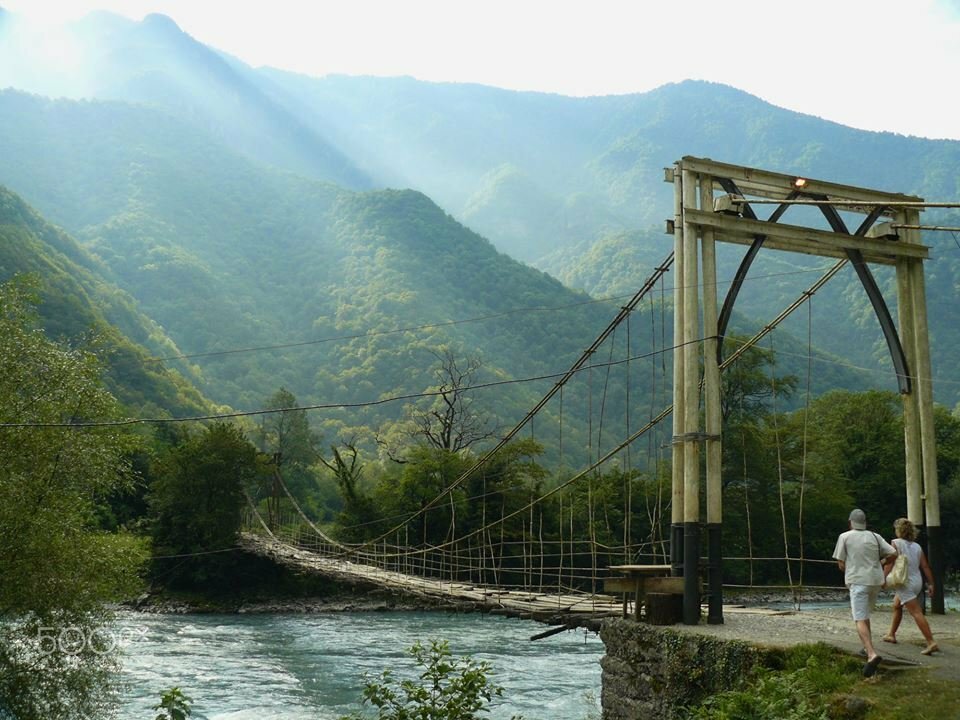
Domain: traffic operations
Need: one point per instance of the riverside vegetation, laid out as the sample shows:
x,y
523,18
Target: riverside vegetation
x,y
816,682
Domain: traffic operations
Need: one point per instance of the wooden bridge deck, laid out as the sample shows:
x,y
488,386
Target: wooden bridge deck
x,y
569,610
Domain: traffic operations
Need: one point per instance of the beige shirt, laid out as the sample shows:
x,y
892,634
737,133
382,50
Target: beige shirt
x,y
861,551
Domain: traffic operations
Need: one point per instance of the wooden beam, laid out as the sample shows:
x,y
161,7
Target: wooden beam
x,y
691,413
776,185
711,371
795,238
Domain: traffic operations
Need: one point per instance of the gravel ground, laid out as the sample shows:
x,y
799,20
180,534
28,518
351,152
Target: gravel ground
x,y
834,626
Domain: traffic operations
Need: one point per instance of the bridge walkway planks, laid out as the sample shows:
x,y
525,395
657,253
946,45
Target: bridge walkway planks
x,y
570,609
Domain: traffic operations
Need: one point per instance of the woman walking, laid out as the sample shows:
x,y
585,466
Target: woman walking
x,y
906,596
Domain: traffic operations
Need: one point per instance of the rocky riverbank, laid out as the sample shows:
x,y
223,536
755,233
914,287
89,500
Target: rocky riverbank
x,y
374,601
759,597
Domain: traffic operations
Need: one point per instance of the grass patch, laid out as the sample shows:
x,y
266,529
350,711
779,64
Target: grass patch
x,y
799,687
911,695
810,682
806,681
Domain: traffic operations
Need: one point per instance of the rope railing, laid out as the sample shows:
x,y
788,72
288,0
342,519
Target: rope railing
x,y
495,566
532,562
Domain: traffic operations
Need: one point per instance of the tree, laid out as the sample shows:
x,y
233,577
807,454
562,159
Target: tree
x,y
750,384
452,423
197,503
856,442
286,437
358,509
446,689
426,473
948,467
505,483
58,570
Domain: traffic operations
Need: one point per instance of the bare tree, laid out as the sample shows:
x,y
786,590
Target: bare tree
x,y
358,507
346,468
452,422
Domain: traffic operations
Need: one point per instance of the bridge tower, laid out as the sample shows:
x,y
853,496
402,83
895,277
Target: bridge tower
x,y
714,202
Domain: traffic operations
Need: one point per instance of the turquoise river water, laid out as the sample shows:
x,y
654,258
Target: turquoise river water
x,y
300,666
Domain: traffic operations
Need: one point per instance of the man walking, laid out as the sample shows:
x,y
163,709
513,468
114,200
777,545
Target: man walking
x,y
859,553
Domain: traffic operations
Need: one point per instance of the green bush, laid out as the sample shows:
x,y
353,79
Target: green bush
x,y
174,705
799,690
446,689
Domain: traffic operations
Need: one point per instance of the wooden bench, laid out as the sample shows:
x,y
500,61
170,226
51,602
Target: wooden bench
x,y
638,580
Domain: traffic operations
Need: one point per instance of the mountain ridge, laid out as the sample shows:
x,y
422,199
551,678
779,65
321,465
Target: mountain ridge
x,y
76,305
339,296
546,178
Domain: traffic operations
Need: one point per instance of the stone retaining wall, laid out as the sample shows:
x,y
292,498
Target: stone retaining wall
x,y
651,672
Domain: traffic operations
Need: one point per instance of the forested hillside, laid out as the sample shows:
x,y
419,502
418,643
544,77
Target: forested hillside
x,y
575,185
78,306
593,164
226,255
154,62
337,296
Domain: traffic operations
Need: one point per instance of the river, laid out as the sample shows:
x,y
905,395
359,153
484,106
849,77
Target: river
x,y
299,666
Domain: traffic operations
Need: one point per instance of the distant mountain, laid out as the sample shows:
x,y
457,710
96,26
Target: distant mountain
x,y
609,152
266,279
472,148
225,254
77,303
534,172
563,183
154,62
571,183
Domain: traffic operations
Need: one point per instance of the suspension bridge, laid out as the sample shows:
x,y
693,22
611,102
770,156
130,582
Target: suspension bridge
x,y
549,555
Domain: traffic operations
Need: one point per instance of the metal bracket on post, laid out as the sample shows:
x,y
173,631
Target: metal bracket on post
x,y
695,436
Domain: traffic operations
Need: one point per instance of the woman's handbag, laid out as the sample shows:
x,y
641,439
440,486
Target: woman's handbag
x,y
897,577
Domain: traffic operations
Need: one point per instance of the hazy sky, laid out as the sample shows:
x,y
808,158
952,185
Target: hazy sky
x,y
873,64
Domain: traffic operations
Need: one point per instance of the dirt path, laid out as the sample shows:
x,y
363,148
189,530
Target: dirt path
x,y
834,627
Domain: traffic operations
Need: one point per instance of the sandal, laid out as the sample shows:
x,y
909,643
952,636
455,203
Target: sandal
x,y
870,669
930,649
889,639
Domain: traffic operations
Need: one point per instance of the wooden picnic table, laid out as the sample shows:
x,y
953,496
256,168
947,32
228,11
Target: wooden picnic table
x,y
638,580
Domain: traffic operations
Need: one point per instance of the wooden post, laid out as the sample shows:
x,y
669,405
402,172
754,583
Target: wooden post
x,y
691,414
676,496
711,385
911,411
928,439
664,608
